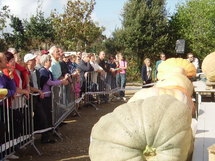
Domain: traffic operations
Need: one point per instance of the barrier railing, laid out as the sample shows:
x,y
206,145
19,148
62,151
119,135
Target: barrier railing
x,y
17,114
16,117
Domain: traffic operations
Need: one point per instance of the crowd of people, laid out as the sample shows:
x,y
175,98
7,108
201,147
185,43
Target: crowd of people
x,y
40,70
146,71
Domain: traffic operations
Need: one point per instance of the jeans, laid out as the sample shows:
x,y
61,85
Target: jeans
x,y
121,82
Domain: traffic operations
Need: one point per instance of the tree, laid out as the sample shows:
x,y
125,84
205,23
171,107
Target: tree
x,y
74,29
194,21
145,28
17,37
4,15
39,30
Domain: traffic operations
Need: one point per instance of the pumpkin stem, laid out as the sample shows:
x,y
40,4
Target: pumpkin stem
x,y
149,152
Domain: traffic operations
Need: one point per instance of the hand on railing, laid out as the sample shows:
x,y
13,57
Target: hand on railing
x,y
64,82
2,97
26,93
41,94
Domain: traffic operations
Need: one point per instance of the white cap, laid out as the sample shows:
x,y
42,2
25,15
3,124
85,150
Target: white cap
x,y
28,57
67,54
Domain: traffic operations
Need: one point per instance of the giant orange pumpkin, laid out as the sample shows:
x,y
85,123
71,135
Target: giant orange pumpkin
x,y
188,67
208,67
179,80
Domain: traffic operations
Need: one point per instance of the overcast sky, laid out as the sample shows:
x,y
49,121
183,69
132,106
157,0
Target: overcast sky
x,y
106,13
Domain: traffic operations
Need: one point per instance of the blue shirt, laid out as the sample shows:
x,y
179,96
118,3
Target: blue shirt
x,y
55,69
9,84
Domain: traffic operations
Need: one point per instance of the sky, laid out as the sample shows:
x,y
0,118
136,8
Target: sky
x,y
106,13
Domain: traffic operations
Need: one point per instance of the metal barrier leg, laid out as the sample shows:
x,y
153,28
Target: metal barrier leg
x,y
58,134
38,152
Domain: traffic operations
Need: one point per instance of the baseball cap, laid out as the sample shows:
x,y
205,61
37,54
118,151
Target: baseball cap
x,y
28,57
44,52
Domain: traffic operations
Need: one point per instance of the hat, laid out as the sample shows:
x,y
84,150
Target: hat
x,y
44,52
66,54
28,57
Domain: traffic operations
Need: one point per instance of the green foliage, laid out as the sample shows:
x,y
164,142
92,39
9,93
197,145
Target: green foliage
x,y
39,30
195,22
17,38
74,29
133,71
4,15
145,29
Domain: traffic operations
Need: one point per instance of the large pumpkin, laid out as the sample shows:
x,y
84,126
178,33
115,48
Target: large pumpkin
x,y
154,129
208,67
177,92
166,66
172,70
179,80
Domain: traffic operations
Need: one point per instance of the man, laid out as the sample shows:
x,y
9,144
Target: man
x,y
55,66
105,73
162,58
84,66
193,60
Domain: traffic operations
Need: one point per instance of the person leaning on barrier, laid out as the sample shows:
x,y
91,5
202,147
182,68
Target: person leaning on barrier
x,y
8,85
5,81
96,67
19,73
47,81
55,64
40,117
63,64
72,65
84,67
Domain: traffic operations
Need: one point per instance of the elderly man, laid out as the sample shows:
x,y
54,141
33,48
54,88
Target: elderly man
x,y
84,66
55,66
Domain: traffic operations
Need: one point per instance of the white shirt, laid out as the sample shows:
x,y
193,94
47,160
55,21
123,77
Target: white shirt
x,y
195,62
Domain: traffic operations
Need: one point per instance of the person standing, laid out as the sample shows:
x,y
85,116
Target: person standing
x,y
55,64
146,72
121,75
162,58
193,60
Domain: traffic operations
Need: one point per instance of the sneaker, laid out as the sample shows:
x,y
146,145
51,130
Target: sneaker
x,y
124,99
118,98
13,157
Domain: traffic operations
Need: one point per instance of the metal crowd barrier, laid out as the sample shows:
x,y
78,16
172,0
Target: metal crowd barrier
x,y
64,100
99,87
16,125
17,114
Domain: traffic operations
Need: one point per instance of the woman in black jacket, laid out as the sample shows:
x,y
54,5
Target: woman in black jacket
x,y
146,72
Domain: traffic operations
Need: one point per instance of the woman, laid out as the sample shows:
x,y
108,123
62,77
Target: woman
x,y
121,74
17,103
46,81
146,72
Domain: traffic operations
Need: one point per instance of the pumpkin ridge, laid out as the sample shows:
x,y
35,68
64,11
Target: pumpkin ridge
x,y
108,141
185,127
155,138
125,126
166,141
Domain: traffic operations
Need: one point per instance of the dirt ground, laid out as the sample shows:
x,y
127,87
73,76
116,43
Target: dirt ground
x,y
76,136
